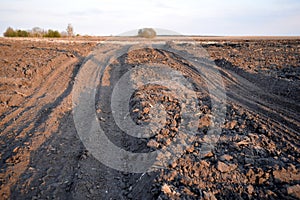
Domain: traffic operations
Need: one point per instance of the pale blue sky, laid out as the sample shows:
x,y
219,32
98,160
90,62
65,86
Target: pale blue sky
x,y
192,17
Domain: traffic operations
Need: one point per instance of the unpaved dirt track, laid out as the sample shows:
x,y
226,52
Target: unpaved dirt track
x,y
256,157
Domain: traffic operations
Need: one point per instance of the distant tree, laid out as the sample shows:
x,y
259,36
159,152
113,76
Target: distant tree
x,y
34,32
22,33
52,33
70,30
147,33
37,32
10,32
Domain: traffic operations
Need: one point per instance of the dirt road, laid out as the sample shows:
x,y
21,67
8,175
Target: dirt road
x,y
257,155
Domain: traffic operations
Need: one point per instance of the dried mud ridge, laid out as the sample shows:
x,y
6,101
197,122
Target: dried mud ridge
x,y
257,155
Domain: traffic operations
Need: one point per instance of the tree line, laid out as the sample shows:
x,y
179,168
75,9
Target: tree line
x,y
39,32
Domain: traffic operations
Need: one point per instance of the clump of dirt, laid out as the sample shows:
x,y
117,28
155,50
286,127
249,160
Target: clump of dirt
x,y
246,164
256,157
142,102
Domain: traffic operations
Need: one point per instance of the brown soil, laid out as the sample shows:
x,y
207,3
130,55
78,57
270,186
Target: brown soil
x,y
256,157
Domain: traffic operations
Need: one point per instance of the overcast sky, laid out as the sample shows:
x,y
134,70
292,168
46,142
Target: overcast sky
x,y
191,17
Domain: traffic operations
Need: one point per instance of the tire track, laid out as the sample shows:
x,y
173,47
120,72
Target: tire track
x,y
47,106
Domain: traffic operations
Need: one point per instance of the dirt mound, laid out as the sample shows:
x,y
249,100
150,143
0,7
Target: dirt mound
x,y
257,155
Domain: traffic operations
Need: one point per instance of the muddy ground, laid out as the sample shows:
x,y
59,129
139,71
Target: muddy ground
x,y
256,157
